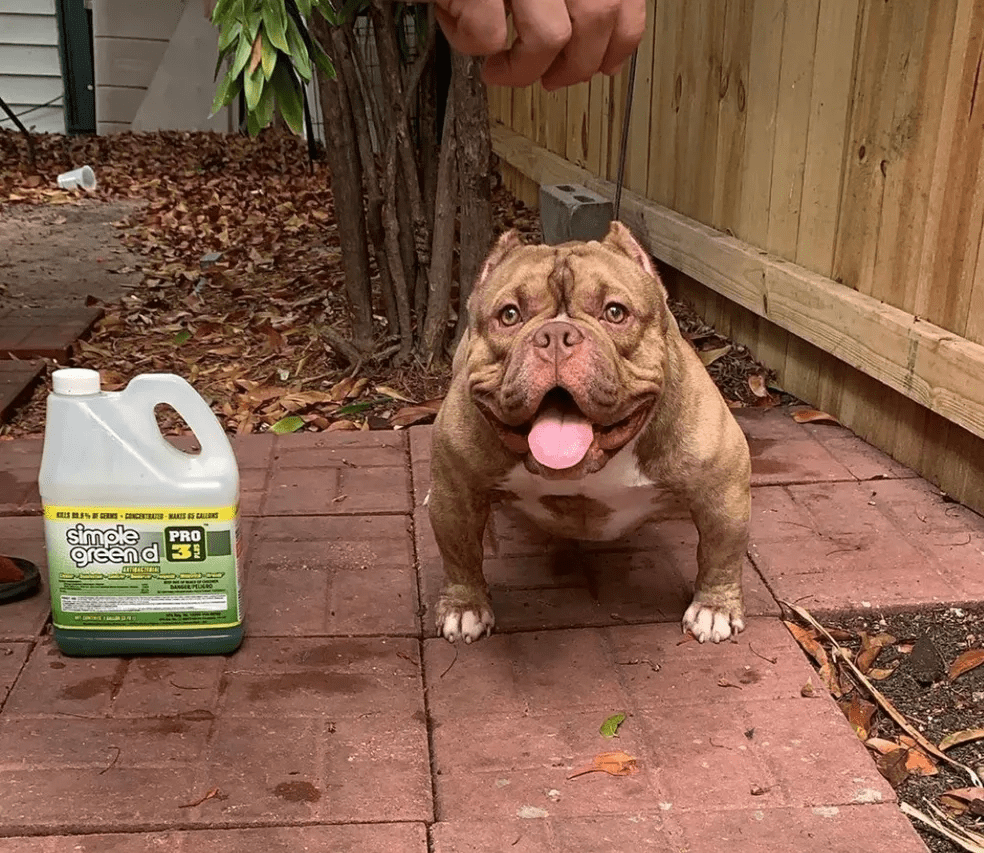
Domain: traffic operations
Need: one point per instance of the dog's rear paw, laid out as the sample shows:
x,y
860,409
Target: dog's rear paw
x,y
707,622
467,618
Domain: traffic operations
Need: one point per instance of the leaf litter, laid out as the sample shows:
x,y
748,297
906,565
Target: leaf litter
x,y
240,269
912,727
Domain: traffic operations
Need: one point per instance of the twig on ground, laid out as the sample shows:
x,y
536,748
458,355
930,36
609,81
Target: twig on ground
x,y
963,840
112,763
882,700
454,660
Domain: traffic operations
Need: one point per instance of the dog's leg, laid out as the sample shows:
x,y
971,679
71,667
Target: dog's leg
x,y
717,611
458,517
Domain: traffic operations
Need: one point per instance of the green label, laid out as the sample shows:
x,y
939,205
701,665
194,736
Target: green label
x,y
143,568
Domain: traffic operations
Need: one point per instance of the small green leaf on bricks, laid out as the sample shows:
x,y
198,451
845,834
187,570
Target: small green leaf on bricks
x,y
609,728
292,423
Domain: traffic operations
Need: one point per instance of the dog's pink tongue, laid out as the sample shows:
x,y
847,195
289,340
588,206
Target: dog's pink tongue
x,y
560,437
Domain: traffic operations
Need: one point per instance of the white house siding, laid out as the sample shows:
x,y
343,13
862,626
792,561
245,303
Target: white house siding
x,y
153,66
30,69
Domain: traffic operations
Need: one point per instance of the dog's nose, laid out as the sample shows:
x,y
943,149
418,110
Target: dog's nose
x,y
557,339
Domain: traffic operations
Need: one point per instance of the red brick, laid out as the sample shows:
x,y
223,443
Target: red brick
x,y
337,491
844,509
800,461
297,491
323,575
324,450
831,829
170,686
860,458
420,438
548,835
118,800
304,770
17,379
502,767
918,508
521,674
322,678
12,659
254,451
53,683
763,664
352,838
50,745
961,564
775,425
19,491
851,573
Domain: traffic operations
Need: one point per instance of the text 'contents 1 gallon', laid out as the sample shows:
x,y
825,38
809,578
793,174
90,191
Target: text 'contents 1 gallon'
x,y
143,551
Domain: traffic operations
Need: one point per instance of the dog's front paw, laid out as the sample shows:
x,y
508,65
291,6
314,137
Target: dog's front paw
x,y
464,614
715,623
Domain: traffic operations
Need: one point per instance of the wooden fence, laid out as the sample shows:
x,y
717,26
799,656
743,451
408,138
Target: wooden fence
x,y
807,173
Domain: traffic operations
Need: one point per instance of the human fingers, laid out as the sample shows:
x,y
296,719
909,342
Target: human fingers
x,y
592,23
630,24
543,28
473,27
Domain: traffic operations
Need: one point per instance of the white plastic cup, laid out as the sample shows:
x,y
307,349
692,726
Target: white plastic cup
x,y
82,177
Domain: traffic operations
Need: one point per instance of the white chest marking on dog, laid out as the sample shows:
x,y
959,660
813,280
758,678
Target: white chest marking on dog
x,y
620,485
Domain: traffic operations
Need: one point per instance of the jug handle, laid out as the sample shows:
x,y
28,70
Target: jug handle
x,y
152,389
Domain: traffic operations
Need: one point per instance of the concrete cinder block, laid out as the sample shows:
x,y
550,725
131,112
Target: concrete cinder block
x,y
573,212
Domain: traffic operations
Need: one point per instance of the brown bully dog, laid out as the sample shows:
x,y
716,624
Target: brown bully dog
x,y
575,399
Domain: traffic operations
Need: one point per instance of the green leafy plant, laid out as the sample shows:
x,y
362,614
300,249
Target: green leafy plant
x,y
271,55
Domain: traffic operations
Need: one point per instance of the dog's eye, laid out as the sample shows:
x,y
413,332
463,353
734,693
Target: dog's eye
x,y
615,313
509,316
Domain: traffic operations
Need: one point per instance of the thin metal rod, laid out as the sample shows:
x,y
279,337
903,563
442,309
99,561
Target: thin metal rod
x,y
625,132
20,126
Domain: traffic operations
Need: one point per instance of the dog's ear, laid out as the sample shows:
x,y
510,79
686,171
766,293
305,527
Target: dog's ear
x,y
504,246
620,239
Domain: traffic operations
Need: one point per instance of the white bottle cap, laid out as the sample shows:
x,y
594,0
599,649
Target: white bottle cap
x,y
75,381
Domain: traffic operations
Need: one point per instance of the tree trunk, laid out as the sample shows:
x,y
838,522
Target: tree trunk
x,y
346,73
343,160
442,254
471,120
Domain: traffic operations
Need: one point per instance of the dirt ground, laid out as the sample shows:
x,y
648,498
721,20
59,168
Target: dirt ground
x,y
56,256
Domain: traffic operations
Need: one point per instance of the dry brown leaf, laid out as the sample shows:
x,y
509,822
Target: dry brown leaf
x,y
859,713
892,765
709,356
871,647
882,745
256,57
808,691
340,390
614,763
811,416
964,736
757,383
920,764
335,426
808,642
411,415
881,673
387,391
964,800
970,659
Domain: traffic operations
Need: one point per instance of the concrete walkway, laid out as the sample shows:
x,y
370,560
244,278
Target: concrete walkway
x,y
342,724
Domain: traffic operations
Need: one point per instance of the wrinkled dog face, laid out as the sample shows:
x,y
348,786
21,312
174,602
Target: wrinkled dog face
x,y
566,353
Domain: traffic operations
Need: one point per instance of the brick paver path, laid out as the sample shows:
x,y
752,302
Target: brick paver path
x,y
342,724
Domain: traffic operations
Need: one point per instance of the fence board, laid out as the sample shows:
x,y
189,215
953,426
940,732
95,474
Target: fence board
x,y
640,131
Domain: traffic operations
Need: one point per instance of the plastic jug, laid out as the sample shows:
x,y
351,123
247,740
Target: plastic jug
x,y
143,551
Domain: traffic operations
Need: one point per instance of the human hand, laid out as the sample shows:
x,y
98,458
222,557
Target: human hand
x,y
559,42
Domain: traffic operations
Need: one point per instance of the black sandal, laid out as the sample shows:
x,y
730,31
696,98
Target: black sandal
x,y
18,579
